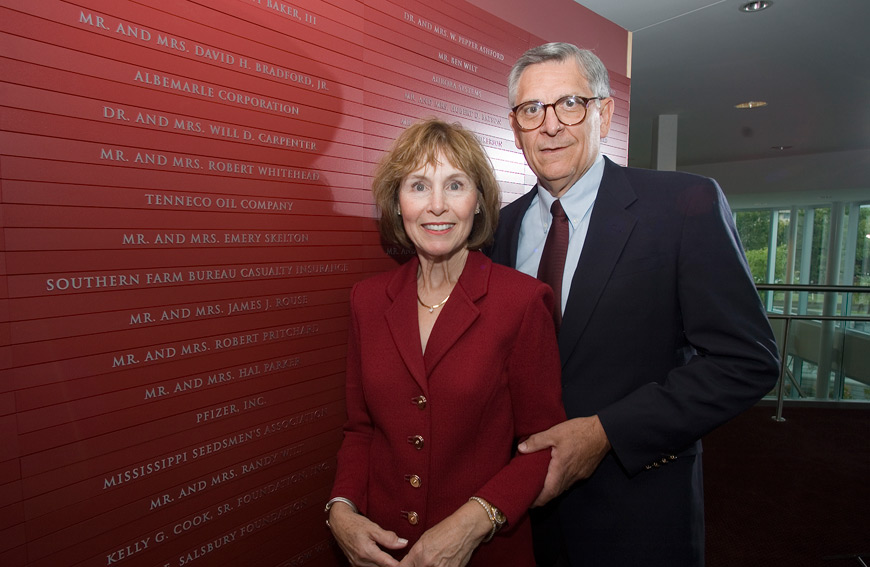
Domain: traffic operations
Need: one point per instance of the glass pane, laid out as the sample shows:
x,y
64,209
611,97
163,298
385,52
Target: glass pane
x,y
862,249
815,349
754,230
856,362
819,252
781,247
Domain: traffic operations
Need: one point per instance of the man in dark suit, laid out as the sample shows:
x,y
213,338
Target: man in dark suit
x,y
662,335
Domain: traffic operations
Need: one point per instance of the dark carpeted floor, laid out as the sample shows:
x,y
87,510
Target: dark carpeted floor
x,y
793,493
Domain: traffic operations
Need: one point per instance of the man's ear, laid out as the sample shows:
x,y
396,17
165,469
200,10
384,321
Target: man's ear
x,y
606,109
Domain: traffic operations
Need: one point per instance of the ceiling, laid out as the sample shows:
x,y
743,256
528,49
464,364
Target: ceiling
x,y
809,59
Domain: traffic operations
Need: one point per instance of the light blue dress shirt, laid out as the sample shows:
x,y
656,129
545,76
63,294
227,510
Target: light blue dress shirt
x,y
577,202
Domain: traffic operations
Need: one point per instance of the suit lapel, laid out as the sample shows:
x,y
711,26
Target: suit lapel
x,y
401,319
609,228
460,311
510,224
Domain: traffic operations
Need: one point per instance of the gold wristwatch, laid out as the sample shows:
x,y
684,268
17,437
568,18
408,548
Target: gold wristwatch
x,y
495,515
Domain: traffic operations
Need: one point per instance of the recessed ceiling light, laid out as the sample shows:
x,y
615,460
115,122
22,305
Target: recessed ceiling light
x,y
781,148
752,7
751,104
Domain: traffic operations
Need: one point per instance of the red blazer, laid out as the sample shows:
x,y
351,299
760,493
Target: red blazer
x,y
426,432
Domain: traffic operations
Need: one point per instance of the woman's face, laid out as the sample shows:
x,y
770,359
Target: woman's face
x,y
437,202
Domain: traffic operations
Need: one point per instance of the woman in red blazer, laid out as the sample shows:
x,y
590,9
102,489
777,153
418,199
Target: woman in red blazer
x,y
451,360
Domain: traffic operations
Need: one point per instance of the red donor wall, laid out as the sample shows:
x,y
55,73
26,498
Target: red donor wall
x,y
184,199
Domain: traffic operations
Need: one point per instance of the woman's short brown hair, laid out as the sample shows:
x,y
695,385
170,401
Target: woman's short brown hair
x,y
420,145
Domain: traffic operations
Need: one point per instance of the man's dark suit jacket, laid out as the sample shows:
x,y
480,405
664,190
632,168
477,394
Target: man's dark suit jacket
x,y
664,338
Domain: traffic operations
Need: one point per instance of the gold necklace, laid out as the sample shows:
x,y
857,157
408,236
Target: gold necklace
x,y
432,308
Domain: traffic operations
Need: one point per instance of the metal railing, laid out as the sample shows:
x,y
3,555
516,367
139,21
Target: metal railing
x,y
822,327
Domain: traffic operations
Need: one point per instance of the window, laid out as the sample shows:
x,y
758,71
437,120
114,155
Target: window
x,y
830,245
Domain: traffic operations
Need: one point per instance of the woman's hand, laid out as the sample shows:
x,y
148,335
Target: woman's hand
x,y
451,542
359,538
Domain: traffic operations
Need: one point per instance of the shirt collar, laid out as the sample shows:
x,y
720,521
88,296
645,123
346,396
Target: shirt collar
x,y
577,201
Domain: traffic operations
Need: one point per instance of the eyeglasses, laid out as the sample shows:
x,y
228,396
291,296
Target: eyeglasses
x,y
569,110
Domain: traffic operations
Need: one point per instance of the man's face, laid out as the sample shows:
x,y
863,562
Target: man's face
x,y
558,154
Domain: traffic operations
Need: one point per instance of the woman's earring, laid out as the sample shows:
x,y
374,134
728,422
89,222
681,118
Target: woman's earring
x,y
399,212
477,210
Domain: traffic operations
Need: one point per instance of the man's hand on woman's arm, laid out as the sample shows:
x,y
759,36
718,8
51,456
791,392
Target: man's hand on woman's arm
x,y
577,448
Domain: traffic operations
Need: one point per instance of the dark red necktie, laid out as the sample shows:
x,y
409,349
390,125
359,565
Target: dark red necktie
x,y
553,257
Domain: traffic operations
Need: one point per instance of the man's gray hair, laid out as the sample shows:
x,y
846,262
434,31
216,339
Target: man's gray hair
x,y
590,66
